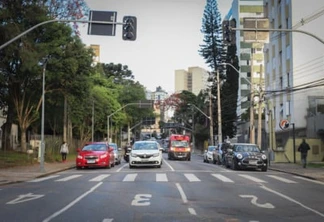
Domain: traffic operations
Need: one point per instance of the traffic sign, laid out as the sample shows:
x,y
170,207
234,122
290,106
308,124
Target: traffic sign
x,y
102,29
284,124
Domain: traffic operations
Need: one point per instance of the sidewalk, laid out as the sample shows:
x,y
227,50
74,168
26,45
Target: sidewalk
x,y
26,173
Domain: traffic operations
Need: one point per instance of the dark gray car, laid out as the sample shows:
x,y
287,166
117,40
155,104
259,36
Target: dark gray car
x,y
117,153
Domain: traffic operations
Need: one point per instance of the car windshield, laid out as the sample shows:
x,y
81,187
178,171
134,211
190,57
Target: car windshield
x,y
95,147
145,146
246,148
211,148
178,143
113,145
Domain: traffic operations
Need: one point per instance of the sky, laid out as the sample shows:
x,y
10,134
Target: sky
x,y
168,38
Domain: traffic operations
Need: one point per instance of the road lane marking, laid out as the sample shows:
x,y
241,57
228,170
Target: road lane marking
x,y
192,211
252,178
254,201
292,200
309,180
169,165
130,177
282,179
25,197
182,194
223,178
72,203
161,177
43,178
122,167
69,178
100,177
191,177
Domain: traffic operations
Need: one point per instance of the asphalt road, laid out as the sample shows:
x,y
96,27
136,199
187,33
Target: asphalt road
x,y
178,191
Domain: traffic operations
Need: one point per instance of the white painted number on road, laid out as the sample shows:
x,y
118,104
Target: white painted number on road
x,y
254,201
142,200
24,198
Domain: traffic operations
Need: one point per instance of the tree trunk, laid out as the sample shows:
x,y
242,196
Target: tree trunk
x,y
23,143
6,130
65,124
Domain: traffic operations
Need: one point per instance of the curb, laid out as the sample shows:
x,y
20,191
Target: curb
x,y
296,174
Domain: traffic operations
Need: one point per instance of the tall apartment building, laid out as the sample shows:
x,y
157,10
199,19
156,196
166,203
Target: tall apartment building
x,y
295,68
250,53
194,80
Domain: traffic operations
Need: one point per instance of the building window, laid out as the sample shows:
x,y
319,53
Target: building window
x,y
280,58
281,83
288,82
320,106
287,108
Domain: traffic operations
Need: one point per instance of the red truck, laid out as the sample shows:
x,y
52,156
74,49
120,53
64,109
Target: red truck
x,y
179,147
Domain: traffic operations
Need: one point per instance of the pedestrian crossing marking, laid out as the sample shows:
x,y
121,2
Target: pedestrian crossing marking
x,y
254,179
130,177
191,177
223,178
161,177
43,178
68,178
100,177
282,179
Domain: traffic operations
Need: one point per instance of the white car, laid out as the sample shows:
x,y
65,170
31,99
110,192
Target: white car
x,y
208,154
145,153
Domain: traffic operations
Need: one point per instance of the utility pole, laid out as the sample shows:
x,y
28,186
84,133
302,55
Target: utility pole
x,y
260,110
252,136
211,125
219,114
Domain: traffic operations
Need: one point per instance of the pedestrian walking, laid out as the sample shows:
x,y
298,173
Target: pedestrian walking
x,y
64,151
303,149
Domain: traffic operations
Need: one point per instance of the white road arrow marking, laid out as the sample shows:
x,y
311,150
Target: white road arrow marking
x,y
24,198
254,201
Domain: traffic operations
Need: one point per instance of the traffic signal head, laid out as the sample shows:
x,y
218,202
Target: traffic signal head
x,y
129,28
229,35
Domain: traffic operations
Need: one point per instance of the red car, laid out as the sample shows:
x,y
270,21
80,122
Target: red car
x,y
96,154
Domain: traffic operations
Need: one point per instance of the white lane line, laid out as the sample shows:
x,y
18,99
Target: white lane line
x,y
191,177
43,178
182,194
192,211
122,167
100,177
222,178
130,177
161,177
68,178
72,203
252,178
309,180
282,179
292,200
164,161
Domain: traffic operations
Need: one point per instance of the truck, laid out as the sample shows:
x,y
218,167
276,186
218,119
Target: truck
x,y
179,147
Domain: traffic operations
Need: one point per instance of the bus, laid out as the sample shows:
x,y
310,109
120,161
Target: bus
x,y
179,147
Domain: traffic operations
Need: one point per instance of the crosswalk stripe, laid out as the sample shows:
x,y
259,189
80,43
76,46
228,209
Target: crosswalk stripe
x,y
252,178
68,178
130,177
282,179
161,177
223,178
191,177
100,177
43,178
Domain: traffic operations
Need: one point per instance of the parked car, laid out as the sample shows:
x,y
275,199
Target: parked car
x,y
208,154
145,153
245,156
117,153
96,154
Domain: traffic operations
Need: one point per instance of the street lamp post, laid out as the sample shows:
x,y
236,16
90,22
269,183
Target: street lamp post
x,y
210,120
42,153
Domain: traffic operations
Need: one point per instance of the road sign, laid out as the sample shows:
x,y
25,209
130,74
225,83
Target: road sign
x,y
102,29
284,124
256,36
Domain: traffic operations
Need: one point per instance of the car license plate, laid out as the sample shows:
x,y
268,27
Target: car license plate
x,y
144,160
253,162
91,161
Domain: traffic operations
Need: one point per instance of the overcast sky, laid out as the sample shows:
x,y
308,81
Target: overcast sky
x,y
168,38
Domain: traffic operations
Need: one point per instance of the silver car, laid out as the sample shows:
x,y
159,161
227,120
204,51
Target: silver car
x,y
208,154
117,153
145,153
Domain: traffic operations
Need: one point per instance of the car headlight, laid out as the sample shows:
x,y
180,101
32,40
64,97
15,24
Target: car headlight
x,y
133,154
239,156
156,154
264,157
80,157
103,156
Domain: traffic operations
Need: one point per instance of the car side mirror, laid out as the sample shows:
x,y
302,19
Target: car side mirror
x,y
230,151
205,151
78,150
110,149
262,151
129,149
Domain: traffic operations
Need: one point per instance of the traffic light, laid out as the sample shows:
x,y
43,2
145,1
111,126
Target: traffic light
x,y
129,28
229,35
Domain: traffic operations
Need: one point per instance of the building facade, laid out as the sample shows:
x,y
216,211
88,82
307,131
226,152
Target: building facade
x,y
194,80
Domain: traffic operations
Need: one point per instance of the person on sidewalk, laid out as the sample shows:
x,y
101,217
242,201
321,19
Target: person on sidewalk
x,y
64,151
303,149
